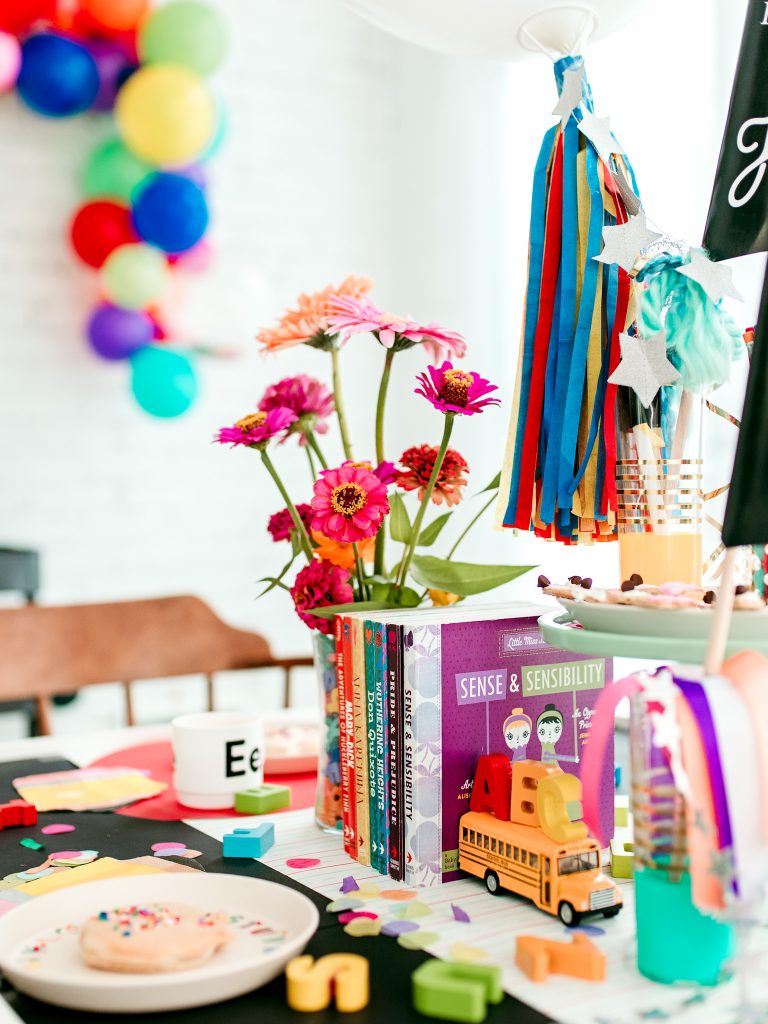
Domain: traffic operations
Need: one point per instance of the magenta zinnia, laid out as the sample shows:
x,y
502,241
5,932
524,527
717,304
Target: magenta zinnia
x,y
310,399
351,315
318,585
281,526
257,428
419,462
455,391
349,503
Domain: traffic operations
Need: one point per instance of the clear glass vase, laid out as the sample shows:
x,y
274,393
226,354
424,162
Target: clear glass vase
x,y
328,798
659,487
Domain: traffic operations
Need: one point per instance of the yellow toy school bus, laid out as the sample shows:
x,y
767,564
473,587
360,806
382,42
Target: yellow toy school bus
x,y
551,861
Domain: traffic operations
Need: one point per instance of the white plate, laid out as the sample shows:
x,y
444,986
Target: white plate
x,y
272,924
292,741
687,623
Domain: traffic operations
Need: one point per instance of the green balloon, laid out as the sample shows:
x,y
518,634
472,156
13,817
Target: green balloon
x,y
113,172
134,275
184,32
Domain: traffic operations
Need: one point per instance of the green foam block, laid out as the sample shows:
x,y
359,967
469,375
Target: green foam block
x,y
262,799
31,844
456,991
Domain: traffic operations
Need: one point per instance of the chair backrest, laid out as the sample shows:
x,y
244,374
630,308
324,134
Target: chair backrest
x,y
46,650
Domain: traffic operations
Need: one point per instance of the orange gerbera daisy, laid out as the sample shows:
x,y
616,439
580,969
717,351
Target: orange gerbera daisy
x,y
308,323
342,554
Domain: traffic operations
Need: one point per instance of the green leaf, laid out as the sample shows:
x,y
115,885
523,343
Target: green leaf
x,y
399,523
295,543
493,485
381,591
275,581
408,598
328,611
430,533
462,578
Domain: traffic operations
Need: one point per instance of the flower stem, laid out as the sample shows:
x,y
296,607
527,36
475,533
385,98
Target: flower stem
x,y
416,528
472,522
381,536
312,442
339,403
360,574
311,461
297,520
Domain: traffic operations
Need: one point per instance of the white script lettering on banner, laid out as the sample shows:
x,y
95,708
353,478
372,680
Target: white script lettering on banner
x,y
755,170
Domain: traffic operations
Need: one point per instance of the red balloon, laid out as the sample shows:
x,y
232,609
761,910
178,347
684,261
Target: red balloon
x,y
16,16
98,228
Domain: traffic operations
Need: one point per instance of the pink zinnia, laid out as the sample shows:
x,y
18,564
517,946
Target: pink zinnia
x,y
257,428
419,462
349,503
385,471
350,315
318,585
455,391
310,399
281,526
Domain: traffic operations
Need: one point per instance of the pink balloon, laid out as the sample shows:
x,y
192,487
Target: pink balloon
x,y
194,260
10,61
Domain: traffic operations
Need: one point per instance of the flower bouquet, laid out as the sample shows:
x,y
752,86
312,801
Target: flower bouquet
x,y
339,533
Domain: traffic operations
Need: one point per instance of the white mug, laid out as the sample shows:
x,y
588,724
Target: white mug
x,y
215,755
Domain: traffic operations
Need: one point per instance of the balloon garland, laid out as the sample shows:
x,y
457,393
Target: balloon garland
x,y
145,208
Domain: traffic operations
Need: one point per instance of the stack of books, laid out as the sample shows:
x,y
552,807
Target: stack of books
x,y
422,694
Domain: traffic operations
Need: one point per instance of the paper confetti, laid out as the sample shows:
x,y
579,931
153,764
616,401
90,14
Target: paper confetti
x,y
348,884
74,858
56,830
395,928
587,929
417,940
362,926
398,894
350,915
413,910
367,891
31,844
347,904
157,847
459,914
302,862
28,876
461,951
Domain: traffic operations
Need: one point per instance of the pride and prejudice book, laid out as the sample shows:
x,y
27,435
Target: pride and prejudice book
x,y
483,681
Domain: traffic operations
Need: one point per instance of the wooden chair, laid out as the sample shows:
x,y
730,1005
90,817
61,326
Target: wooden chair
x,y
48,650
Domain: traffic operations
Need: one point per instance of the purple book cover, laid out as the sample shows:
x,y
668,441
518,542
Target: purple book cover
x,y
505,691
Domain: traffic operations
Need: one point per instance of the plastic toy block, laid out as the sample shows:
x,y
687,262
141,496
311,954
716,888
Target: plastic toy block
x,y
249,842
622,859
311,984
17,812
456,991
579,958
493,786
262,799
621,811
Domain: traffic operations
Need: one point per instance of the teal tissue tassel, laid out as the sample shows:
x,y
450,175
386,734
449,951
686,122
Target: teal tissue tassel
x,y
702,339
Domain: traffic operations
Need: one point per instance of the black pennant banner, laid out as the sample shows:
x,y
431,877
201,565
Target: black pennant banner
x,y
737,222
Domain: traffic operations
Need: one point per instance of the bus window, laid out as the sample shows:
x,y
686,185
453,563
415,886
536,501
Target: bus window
x,y
493,846
546,867
586,861
464,833
523,856
485,842
517,854
471,835
509,852
534,860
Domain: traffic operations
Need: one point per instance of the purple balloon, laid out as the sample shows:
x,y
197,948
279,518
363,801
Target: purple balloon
x,y
115,333
114,67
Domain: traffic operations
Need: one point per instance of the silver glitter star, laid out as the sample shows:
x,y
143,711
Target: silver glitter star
x,y
623,243
598,131
644,366
715,278
722,866
570,94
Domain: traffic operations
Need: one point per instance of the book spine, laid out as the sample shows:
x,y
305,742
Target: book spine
x,y
395,735
343,755
349,725
362,810
409,752
370,704
382,748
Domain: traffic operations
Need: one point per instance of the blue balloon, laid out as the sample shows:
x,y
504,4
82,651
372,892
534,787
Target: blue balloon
x,y
164,383
58,76
170,211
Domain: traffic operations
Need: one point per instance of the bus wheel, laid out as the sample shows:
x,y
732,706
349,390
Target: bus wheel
x,y
492,883
568,915
612,912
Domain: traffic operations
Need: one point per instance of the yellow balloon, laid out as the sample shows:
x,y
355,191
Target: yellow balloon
x,y
165,114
